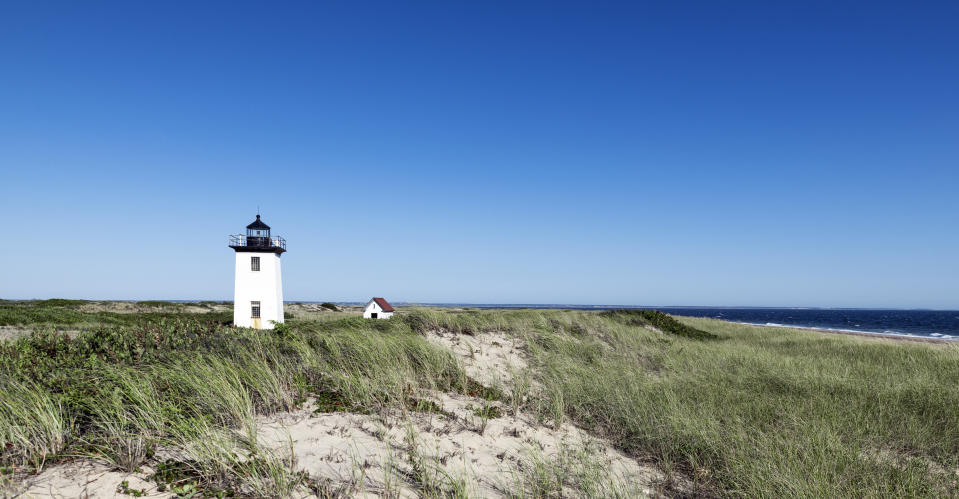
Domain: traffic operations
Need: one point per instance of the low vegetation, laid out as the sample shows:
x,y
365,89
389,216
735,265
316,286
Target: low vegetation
x,y
739,410
722,409
659,321
119,393
80,314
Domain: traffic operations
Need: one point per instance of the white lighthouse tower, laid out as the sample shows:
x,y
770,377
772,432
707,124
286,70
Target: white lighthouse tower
x,y
258,292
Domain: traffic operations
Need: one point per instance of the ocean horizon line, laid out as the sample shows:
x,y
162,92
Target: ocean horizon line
x,y
602,306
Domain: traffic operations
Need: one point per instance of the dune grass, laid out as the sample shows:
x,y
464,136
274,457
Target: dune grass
x,y
723,409
746,411
33,425
120,394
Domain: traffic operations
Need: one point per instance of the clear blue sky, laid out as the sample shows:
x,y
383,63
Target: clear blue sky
x,y
669,153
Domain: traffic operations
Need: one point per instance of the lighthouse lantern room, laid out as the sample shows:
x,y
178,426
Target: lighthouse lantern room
x,y
258,288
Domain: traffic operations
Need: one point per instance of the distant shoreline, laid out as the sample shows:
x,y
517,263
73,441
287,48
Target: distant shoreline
x,y
864,334
900,324
949,333
897,324
574,306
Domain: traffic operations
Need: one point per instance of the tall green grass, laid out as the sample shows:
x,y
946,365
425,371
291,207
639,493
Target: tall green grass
x,y
744,411
33,424
121,394
723,409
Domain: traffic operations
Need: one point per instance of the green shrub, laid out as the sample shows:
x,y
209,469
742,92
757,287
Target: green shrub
x,y
59,302
158,304
661,321
34,313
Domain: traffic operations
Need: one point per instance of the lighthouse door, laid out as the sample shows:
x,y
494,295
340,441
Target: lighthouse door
x,y
255,313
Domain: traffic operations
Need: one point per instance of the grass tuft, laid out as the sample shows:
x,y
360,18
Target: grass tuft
x,y
34,426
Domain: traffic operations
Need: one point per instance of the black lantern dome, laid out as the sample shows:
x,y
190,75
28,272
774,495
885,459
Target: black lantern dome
x,y
258,229
258,239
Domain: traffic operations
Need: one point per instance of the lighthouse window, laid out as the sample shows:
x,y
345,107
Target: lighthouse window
x,y
255,264
255,306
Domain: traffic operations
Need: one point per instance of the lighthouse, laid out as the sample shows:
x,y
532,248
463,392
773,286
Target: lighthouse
x,y
258,287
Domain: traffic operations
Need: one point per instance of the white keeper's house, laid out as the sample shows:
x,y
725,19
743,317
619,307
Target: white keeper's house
x,y
258,289
378,308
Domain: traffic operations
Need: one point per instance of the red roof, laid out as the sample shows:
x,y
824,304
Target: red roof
x,y
383,304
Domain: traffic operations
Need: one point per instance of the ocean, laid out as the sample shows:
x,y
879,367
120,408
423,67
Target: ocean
x,y
943,324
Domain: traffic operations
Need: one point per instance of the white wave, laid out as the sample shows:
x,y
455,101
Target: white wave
x,y
888,332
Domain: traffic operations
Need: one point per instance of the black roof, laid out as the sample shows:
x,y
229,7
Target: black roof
x,y
257,224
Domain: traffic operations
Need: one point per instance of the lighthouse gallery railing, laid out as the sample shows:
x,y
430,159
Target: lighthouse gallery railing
x,y
257,242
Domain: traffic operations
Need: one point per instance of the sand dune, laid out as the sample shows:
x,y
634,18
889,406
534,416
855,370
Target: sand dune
x,y
398,453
